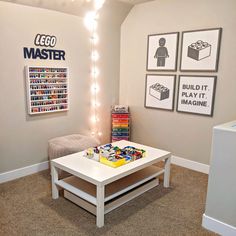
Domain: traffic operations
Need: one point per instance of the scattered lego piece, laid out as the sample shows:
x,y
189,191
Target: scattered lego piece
x,y
113,155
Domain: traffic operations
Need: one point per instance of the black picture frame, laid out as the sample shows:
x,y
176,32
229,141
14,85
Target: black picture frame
x,y
151,100
196,57
161,64
204,99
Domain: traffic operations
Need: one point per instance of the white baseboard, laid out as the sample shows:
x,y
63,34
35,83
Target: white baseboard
x,y
197,166
21,172
28,170
218,226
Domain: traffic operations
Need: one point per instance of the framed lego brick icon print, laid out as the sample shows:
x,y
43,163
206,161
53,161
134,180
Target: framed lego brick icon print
x,y
200,50
160,91
162,52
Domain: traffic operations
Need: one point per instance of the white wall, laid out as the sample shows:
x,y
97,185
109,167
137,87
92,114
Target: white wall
x,y
23,138
221,195
185,135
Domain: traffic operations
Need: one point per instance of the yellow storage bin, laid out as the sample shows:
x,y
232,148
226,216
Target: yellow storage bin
x,y
114,125
115,164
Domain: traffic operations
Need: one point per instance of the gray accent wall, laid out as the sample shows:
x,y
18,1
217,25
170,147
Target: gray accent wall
x,y
185,135
23,138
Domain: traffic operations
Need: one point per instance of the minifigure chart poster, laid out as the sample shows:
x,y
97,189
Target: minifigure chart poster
x,y
200,50
159,91
196,94
162,52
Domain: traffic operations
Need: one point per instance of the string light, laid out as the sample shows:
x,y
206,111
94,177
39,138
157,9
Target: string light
x,y
95,103
94,119
94,72
95,87
94,38
90,21
94,56
98,4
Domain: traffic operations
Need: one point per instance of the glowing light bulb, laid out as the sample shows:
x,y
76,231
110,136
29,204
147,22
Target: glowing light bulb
x,y
90,20
94,55
94,88
94,38
95,72
99,133
94,119
95,103
98,4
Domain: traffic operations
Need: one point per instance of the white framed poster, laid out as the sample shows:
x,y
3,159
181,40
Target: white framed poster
x,y
159,91
162,52
200,50
196,94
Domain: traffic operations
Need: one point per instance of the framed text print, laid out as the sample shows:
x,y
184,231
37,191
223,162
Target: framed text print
x,y
162,50
200,50
159,91
196,94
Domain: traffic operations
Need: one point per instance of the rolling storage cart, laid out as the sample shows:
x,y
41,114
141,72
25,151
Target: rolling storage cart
x,y
120,117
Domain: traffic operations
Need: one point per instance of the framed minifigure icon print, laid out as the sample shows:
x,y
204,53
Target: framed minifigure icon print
x,y
162,52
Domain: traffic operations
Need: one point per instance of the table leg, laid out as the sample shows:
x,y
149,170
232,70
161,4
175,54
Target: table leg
x,y
54,178
167,173
100,206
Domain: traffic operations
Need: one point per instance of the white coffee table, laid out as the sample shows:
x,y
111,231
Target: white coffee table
x,y
100,188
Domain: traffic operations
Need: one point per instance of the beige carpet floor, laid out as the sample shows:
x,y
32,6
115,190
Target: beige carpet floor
x,y
26,208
